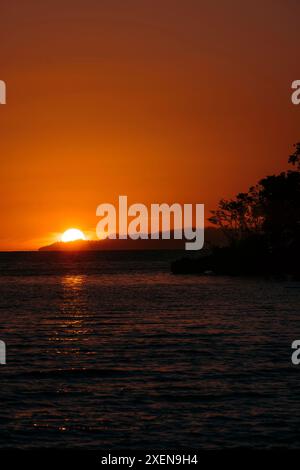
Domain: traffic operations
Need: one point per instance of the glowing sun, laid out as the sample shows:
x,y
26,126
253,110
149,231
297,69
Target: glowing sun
x,y
72,234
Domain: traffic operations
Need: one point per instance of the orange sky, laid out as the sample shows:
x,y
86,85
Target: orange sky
x,y
164,101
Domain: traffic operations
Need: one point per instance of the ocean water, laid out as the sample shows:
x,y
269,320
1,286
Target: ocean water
x,y
110,350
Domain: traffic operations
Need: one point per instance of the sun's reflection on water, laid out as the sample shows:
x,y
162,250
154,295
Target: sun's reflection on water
x,y
71,320
73,281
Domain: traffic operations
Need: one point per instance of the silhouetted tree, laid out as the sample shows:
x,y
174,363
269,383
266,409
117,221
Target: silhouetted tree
x,y
280,201
239,217
271,209
294,159
263,228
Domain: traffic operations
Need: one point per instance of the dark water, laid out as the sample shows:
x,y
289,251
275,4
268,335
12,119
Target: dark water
x,y
110,350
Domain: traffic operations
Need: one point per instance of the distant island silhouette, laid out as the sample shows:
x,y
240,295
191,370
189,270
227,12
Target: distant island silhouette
x,y
212,236
115,245
262,230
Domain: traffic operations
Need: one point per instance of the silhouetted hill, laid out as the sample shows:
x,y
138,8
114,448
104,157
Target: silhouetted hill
x,y
105,245
212,236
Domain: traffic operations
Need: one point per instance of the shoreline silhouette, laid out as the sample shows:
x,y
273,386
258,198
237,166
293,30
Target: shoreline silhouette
x,y
262,228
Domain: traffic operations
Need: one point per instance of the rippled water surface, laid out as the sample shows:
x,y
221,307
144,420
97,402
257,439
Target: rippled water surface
x,y
110,350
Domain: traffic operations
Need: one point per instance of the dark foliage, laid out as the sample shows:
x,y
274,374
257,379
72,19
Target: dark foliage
x,y
262,227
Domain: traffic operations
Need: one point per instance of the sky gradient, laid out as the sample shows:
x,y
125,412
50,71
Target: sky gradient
x,y
163,101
